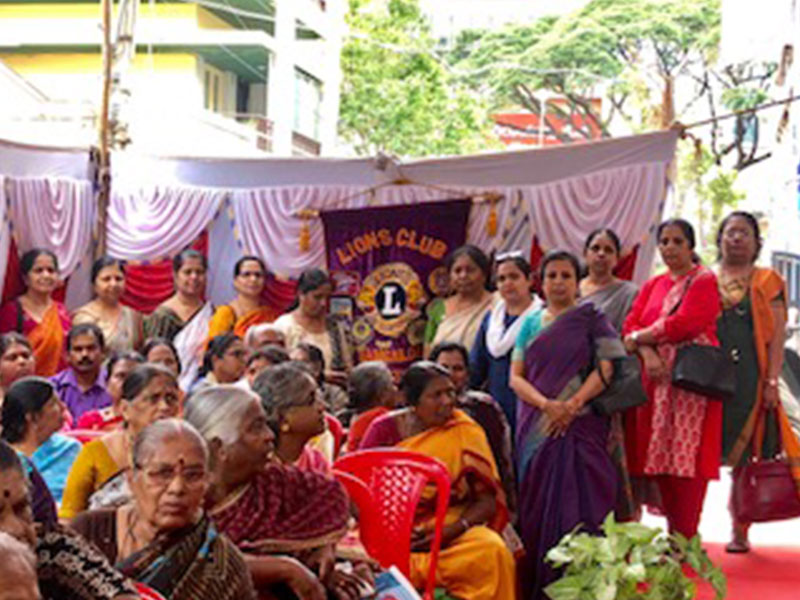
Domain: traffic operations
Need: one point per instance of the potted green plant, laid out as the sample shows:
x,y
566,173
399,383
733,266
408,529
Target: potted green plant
x,y
630,561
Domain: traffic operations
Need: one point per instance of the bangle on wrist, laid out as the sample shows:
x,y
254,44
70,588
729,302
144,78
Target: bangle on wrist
x,y
772,382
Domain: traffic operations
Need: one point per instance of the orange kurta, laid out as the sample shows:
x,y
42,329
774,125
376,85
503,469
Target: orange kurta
x,y
225,320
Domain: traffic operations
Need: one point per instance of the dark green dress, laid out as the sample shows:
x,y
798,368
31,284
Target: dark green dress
x,y
735,332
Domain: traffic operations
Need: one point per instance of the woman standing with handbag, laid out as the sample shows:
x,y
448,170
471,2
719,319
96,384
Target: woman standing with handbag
x,y
674,438
752,331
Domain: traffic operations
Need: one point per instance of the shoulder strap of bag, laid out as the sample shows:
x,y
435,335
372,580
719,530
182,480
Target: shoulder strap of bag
x,y
683,295
781,422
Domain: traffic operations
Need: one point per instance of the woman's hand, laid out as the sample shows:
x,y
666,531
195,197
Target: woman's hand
x,y
322,560
654,366
422,537
771,396
556,418
303,582
343,585
630,344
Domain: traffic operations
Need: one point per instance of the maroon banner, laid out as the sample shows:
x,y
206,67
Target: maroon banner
x,y
387,265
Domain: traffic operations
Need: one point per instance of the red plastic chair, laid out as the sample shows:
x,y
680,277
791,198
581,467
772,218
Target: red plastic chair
x,y
336,429
386,485
147,593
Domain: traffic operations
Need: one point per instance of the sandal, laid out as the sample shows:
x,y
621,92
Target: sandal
x,y
738,545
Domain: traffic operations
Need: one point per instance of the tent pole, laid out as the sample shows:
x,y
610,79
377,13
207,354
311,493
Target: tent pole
x,y
104,172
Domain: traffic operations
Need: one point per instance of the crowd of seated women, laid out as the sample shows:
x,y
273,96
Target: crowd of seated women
x,y
191,450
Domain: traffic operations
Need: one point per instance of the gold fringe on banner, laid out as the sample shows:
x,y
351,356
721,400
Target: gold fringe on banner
x,y
306,215
492,198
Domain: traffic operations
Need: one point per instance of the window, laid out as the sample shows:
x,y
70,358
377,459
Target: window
x,y
307,104
213,88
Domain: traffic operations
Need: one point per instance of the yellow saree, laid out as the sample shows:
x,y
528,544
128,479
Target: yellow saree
x,y
478,565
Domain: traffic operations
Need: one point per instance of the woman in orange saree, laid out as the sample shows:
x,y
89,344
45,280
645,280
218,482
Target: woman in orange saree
x,y
246,310
474,563
751,330
36,315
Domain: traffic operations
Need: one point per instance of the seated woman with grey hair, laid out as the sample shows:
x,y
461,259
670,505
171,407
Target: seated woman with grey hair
x,y
268,509
164,538
66,565
373,393
295,412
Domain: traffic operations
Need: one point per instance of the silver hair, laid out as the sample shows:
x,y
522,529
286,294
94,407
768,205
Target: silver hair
x,y
281,387
14,553
149,440
368,381
255,330
217,411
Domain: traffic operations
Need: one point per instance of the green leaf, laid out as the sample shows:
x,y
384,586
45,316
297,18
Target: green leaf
x,y
559,556
566,588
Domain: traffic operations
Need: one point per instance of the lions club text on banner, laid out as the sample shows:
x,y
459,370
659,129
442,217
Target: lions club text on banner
x,y
387,265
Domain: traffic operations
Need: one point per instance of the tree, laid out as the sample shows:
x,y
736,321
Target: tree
x,y
397,94
623,51
699,176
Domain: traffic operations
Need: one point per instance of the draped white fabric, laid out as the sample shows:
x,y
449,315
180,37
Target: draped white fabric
x,y
58,214
22,160
160,205
628,200
47,200
151,222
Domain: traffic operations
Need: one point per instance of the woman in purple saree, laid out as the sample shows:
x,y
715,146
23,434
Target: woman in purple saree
x,y
566,475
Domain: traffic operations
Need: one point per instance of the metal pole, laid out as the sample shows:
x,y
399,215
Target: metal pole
x,y
103,171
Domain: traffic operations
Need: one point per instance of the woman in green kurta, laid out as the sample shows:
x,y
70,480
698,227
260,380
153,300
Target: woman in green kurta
x,y
751,331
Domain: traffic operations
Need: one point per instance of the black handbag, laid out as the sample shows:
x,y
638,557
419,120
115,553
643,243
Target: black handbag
x,y
705,370
624,391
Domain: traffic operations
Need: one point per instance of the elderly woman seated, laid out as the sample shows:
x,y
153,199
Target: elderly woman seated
x,y
66,565
372,395
268,509
475,563
295,413
163,538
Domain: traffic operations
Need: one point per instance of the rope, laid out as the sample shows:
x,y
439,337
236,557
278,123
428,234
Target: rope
x,y
785,101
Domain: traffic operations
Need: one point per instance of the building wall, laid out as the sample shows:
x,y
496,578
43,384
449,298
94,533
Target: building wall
x,y
176,93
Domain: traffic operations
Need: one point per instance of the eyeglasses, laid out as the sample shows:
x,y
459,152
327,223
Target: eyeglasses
x,y
508,255
161,476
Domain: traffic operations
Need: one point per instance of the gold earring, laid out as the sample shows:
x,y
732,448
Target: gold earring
x,y
285,428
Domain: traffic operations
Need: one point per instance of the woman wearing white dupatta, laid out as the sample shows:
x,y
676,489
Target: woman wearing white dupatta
x,y
490,357
183,319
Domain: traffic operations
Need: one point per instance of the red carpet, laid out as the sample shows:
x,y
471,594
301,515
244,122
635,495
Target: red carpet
x,y
761,574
